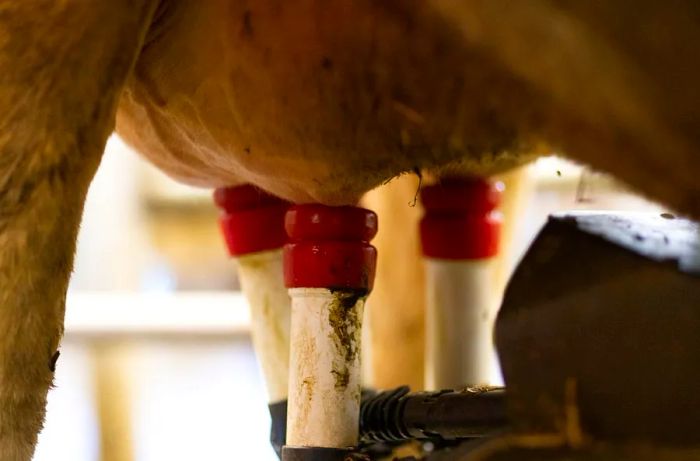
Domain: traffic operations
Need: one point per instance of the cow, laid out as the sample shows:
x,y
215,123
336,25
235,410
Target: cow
x,y
314,101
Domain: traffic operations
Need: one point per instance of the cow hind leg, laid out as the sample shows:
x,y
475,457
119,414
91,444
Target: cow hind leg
x,y
62,66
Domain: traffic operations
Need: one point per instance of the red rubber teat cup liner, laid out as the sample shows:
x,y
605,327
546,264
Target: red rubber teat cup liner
x,y
329,268
252,220
460,221
328,247
252,223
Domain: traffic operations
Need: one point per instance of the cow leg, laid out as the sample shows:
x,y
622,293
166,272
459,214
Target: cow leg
x,y
62,65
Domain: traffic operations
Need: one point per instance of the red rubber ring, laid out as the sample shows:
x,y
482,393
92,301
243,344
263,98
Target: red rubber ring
x,y
459,221
245,197
329,247
252,220
320,223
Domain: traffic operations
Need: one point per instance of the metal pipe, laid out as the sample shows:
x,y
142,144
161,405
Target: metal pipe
x,y
324,399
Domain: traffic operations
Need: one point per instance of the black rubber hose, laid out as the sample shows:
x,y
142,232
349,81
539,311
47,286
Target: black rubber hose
x,y
397,415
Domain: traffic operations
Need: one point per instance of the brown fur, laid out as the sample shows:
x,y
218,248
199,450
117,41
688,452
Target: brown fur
x,y
323,100
61,68
315,101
